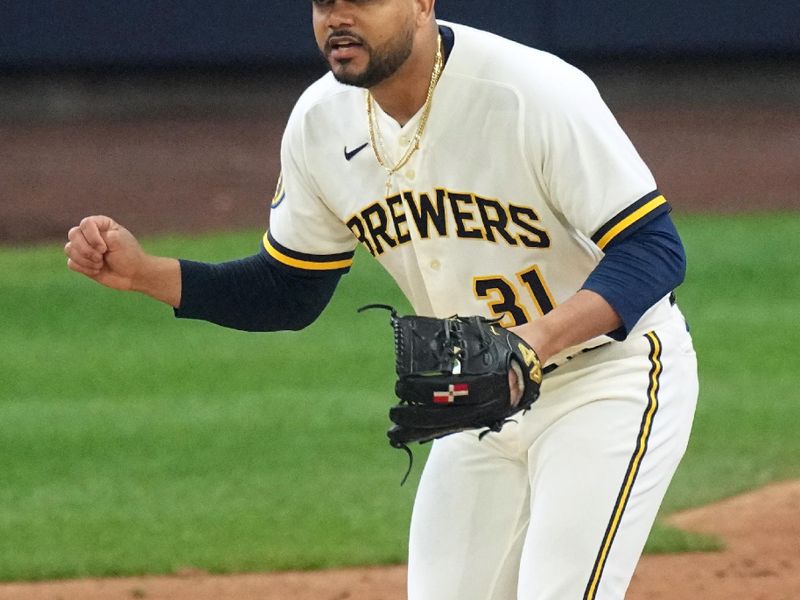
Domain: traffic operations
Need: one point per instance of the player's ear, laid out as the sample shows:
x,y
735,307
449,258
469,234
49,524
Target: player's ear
x,y
425,12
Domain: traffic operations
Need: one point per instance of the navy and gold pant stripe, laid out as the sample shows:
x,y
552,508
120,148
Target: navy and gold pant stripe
x,y
306,262
633,467
629,220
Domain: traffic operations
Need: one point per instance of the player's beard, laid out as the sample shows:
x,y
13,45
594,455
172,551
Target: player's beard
x,y
384,61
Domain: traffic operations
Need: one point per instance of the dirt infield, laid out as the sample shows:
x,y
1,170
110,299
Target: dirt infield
x,y
761,562
167,174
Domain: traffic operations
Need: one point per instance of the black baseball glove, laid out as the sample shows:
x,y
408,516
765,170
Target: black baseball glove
x,y
452,375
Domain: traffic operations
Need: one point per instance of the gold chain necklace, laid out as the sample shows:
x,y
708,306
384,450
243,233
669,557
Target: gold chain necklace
x,y
375,137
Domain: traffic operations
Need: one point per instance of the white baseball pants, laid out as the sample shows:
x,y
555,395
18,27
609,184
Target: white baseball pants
x,y
559,505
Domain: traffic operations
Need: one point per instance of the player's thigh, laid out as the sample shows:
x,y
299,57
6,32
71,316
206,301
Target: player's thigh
x,y
600,472
469,519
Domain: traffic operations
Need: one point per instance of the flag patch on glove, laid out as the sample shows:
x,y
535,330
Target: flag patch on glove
x,y
449,397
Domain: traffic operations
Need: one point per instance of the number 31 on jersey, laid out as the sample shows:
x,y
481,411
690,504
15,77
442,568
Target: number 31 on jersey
x,y
503,296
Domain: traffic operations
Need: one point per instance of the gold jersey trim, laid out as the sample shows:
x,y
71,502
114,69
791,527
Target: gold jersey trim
x,y
637,214
307,262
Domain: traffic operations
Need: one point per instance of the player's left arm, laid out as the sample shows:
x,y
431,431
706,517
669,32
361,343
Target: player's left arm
x,y
597,181
636,271
580,318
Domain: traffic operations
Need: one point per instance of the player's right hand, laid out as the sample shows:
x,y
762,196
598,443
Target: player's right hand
x,y
104,251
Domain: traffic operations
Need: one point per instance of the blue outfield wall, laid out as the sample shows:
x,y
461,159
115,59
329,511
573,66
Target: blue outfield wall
x,y
77,33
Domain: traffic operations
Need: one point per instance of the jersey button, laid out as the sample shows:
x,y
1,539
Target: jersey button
x,y
403,140
410,174
435,265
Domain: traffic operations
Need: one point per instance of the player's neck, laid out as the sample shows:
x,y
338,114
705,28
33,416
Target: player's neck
x,y
403,94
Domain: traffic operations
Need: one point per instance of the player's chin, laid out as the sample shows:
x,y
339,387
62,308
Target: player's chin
x,y
348,72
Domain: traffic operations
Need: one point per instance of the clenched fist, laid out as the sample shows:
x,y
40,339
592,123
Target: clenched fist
x,y
106,252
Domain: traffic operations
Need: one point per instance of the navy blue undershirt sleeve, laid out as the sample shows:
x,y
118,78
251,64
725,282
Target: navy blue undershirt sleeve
x,y
639,270
253,294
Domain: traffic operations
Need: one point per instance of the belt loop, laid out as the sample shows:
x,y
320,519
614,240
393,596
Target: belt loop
x,y
554,366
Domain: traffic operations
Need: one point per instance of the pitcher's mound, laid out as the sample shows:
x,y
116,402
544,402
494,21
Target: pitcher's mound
x,y
761,561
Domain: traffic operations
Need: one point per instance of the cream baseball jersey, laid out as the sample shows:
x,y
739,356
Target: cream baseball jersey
x,y
522,178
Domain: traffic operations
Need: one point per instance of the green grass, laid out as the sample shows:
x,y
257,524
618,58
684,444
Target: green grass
x,y
133,442
741,300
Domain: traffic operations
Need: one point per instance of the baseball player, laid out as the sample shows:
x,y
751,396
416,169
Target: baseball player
x,y
489,179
